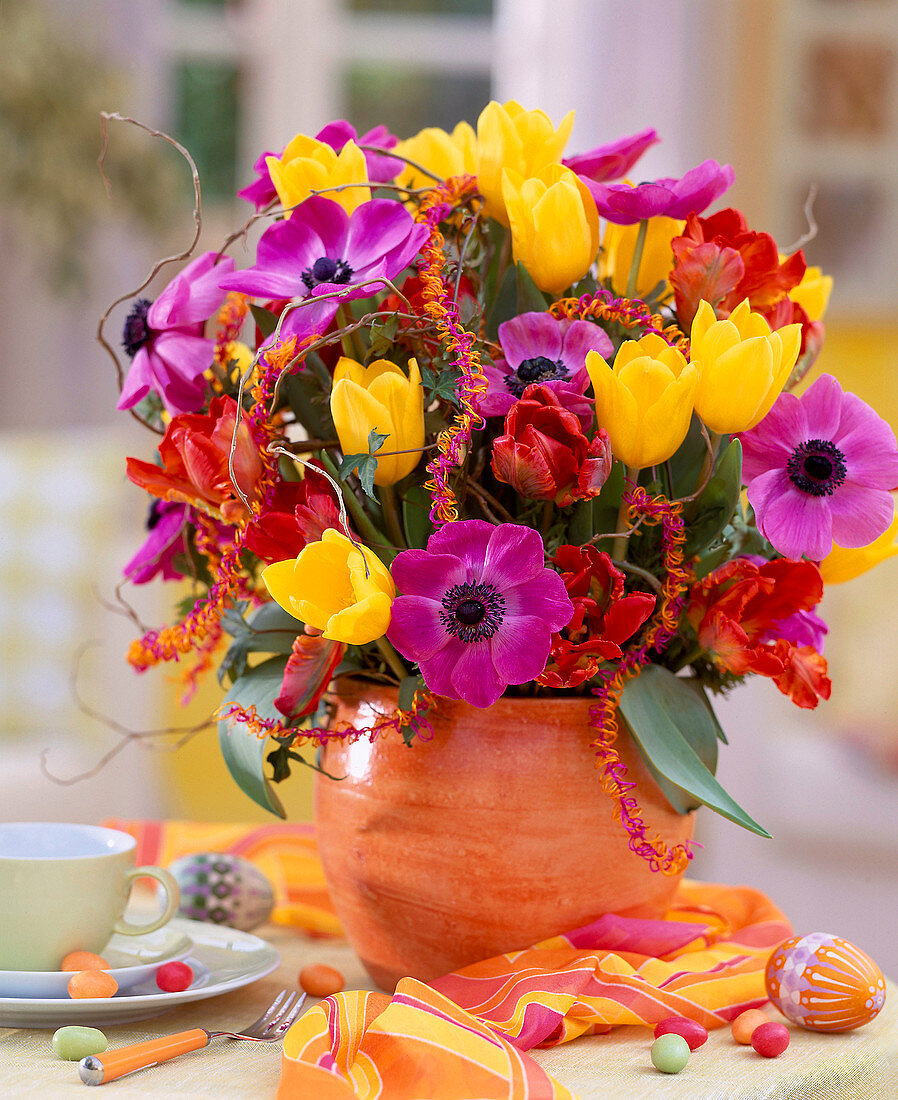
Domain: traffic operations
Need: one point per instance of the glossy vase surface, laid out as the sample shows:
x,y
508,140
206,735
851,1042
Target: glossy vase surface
x,y
490,836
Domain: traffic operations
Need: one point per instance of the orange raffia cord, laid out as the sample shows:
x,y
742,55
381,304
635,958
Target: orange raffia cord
x,y
228,323
206,650
629,312
415,718
229,581
439,307
661,857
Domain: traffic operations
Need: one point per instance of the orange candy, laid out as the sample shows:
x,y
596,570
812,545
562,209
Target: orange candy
x,y
746,1023
319,980
83,960
92,983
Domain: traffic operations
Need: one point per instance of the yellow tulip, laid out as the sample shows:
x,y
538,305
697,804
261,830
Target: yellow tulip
x,y
812,293
743,366
525,142
308,165
328,587
380,397
619,244
554,225
843,564
644,402
446,155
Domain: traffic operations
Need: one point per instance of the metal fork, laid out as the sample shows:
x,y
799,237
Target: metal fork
x,y
272,1025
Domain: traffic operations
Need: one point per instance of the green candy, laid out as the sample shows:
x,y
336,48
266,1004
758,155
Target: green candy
x,y
670,1053
74,1043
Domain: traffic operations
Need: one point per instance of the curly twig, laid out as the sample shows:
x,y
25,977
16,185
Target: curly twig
x,y
106,116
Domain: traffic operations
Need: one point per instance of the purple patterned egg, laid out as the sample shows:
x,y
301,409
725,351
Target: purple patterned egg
x,y
223,889
824,983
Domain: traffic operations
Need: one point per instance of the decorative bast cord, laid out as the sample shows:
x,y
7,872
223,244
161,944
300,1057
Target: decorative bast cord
x,y
441,309
603,717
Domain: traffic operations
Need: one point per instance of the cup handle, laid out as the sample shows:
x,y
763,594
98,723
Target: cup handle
x,y
172,901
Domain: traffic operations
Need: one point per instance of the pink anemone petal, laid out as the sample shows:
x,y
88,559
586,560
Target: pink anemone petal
x,y
421,573
699,187
376,228
868,444
193,295
310,318
474,677
544,596
437,669
859,514
520,648
416,628
772,441
467,539
797,524
515,554
582,337
137,381
822,405
498,398
529,335
614,159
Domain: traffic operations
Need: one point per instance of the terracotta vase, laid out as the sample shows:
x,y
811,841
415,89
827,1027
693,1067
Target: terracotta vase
x,y
491,836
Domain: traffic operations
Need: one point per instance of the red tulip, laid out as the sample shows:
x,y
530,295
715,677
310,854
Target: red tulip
x,y
194,470
544,453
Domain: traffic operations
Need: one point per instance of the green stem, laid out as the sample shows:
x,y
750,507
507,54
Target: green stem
x,y
365,527
710,460
619,545
392,658
352,345
391,515
633,277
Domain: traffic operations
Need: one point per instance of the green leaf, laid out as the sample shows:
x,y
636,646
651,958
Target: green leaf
x,y
376,441
303,393
607,504
416,516
709,513
407,688
657,712
269,629
530,298
503,306
265,319
243,751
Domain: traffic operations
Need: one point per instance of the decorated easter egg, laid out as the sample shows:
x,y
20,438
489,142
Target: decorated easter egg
x,y
223,889
824,983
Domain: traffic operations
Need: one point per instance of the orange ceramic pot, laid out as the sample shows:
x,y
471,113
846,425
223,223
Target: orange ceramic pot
x,y
491,836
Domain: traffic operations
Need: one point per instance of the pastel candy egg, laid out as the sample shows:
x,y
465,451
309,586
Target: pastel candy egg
x,y
223,889
74,1043
824,983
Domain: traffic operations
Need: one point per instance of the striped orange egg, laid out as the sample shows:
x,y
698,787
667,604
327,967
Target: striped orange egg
x,y
824,983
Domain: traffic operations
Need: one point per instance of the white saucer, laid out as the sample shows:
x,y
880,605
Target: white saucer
x,y
132,960
222,959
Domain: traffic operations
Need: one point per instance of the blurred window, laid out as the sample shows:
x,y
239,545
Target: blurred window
x,y
207,120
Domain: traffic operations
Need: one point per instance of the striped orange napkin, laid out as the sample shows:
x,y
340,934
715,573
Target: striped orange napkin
x,y
465,1034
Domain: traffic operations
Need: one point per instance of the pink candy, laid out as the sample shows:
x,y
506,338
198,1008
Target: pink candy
x,y
770,1039
690,1030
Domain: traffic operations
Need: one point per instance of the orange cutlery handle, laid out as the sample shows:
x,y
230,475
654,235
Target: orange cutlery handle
x,y
98,1069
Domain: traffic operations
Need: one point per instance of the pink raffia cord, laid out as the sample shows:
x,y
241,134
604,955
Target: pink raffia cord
x,y
629,312
415,718
453,441
603,717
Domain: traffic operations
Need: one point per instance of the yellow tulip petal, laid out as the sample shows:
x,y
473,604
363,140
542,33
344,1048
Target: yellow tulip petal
x,y
363,622
666,423
278,579
349,368
356,413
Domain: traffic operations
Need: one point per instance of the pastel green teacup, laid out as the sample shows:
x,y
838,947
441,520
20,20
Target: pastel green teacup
x,y
64,888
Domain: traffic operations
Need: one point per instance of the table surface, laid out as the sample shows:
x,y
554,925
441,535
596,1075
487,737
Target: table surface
x,y
861,1064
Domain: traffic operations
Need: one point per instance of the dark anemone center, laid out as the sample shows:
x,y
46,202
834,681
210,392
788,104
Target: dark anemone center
x,y
817,467
472,612
533,371
136,331
326,270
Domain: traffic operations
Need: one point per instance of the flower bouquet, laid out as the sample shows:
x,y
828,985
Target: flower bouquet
x,y
483,422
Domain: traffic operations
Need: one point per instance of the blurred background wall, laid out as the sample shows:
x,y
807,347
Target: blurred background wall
x,y
793,93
